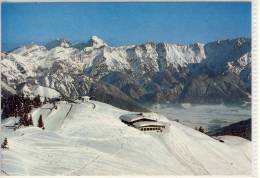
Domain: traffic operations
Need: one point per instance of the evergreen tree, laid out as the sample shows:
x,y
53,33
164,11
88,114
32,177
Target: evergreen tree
x,y
37,101
54,105
45,100
40,122
201,129
19,106
4,145
26,120
30,121
21,121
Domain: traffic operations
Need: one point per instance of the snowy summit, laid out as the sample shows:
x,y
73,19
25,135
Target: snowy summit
x,y
215,72
96,42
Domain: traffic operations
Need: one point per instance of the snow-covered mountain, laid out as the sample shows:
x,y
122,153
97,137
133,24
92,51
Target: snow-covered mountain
x,y
80,139
59,42
35,90
151,72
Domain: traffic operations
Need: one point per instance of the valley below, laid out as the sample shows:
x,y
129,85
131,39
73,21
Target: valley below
x,y
208,116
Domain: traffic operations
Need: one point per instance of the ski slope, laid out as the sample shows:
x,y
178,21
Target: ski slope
x,y
80,139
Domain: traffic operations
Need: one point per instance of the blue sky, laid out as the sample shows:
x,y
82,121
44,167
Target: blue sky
x,y
124,23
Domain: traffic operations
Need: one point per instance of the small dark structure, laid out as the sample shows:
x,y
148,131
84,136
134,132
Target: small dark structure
x,y
85,99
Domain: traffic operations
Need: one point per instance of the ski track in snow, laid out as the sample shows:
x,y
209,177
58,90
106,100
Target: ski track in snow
x,y
66,114
74,172
5,172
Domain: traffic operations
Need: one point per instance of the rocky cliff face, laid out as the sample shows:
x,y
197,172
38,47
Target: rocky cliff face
x,y
153,72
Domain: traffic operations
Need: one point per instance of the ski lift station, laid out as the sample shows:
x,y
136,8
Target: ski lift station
x,y
85,98
142,122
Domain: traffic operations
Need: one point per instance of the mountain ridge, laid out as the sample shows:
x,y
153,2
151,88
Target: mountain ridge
x,y
150,72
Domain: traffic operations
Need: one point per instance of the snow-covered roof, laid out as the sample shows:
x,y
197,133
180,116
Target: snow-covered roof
x,y
147,123
135,117
85,97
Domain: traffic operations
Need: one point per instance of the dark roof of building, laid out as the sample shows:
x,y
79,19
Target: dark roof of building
x,y
135,117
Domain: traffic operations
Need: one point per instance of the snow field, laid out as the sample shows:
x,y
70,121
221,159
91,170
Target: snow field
x,y
80,140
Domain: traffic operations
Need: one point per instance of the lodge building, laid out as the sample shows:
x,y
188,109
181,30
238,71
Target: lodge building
x,y
143,123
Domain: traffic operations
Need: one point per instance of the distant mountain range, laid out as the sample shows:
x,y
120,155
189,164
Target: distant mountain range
x,y
132,76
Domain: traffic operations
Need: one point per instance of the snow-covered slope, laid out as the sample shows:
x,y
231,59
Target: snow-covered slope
x,y
39,90
90,139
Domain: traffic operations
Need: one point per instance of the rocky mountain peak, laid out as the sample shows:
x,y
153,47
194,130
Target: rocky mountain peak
x,y
61,42
148,72
96,42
